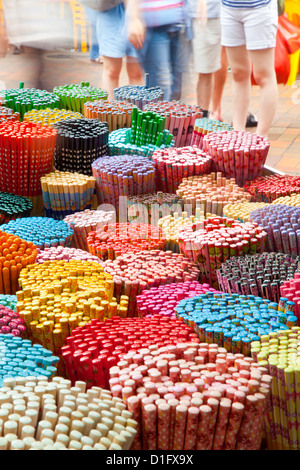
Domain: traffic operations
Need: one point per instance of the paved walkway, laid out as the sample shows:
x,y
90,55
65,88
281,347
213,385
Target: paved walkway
x,y
60,68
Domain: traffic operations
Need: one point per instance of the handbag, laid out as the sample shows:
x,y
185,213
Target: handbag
x,y
100,5
290,32
161,13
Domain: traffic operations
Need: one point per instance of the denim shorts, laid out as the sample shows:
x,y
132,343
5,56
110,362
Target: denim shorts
x,y
112,34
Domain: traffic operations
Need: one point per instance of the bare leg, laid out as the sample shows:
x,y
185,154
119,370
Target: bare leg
x,y
204,90
218,87
111,73
239,61
265,77
134,72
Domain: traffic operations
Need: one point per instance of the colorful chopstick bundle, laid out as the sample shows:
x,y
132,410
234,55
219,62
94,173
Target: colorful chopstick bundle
x,y
138,95
21,100
123,175
211,242
49,116
269,188
210,193
148,128
171,225
26,154
58,296
293,200
237,154
180,119
204,126
10,322
259,274
231,321
174,165
117,114
279,352
241,210
52,418
9,301
150,207
79,143
21,358
43,232
13,206
107,342
134,272
163,299
65,193
8,114
118,239
72,97
85,222
119,144
290,296
190,397
16,254
64,253
282,223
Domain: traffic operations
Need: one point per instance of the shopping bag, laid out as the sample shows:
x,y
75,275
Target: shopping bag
x,y
282,60
290,32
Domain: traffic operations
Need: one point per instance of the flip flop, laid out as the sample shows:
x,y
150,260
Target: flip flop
x,y
251,120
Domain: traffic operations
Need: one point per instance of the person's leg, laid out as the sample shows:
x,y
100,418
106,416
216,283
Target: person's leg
x,y
111,74
155,59
134,71
239,62
180,50
204,90
94,47
219,81
265,76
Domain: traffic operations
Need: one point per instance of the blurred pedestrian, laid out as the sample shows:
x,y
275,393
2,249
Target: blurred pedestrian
x,y
249,34
94,46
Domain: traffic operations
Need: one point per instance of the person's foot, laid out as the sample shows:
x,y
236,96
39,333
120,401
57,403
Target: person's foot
x,y
99,60
251,120
16,50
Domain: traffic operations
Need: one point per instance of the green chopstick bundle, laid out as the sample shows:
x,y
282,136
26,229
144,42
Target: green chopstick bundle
x,y
73,96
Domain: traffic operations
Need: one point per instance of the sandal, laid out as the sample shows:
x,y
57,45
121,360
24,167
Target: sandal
x,y
251,120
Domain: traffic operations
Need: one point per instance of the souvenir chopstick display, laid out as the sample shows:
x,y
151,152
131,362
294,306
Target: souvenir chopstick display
x,y
180,119
191,397
282,223
134,272
204,126
26,154
85,222
259,274
211,242
58,296
43,232
240,155
231,321
49,116
13,206
163,299
9,301
127,333
210,193
22,99
119,144
65,193
279,353
120,238
241,210
16,255
123,175
138,95
271,187
21,358
64,253
10,322
73,97
290,292
171,226
117,114
174,165
53,418
79,143
150,207
8,114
